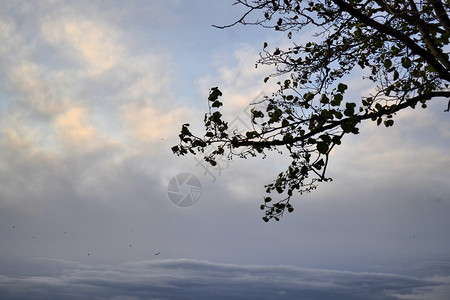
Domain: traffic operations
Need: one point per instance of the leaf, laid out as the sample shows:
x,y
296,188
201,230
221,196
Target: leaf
x,y
215,117
217,103
304,170
337,140
318,165
395,50
308,96
337,100
265,45
406,62
342,87
347,127
378,107
389,123
338,115
185,131
324,99
322,147
350,109
250,134
396,74
214,94
387,63
326,138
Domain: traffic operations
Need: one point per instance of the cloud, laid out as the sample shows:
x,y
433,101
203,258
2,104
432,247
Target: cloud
x,y
413,147
240,82
77,132
82,152
70,136
149,124
7,31
194,279
91,41
55,92
33,90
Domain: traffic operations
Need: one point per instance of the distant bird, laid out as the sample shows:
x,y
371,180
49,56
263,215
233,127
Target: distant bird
x,y
158,253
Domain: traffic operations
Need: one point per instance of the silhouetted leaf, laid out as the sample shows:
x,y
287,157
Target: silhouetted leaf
x,y
322,147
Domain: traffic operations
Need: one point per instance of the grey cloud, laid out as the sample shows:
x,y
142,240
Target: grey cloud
x,y
193,279
388,206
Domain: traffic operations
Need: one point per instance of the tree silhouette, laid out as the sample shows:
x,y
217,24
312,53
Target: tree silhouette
x,y
402,44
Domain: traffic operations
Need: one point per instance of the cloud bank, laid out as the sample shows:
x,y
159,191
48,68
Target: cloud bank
x,y
194,279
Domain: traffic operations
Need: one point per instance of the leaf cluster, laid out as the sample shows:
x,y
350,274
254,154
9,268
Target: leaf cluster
x,y
401,46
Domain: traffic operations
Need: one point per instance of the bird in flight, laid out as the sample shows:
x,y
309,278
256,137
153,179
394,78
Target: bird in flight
x,y
158,253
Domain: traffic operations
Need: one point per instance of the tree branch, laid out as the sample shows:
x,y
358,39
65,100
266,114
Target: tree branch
x,y
427,38
241,20
312,133
445,74
442,15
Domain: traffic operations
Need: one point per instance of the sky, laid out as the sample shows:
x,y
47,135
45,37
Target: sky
x,y
92,97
